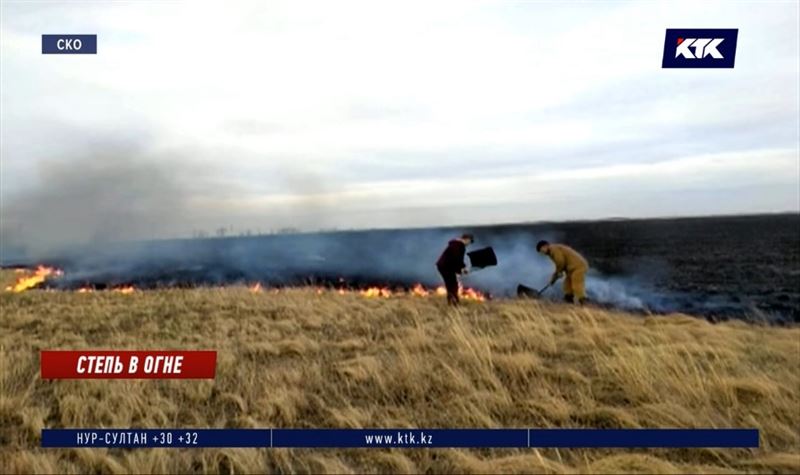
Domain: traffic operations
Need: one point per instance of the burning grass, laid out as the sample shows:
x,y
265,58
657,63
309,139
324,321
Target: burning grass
x,y
30,279
310,358
27,279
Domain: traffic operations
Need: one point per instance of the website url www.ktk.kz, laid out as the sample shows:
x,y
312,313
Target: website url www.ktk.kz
x,y
402,438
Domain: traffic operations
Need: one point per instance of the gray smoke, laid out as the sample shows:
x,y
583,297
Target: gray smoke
x,y
520,263
95,218
112,196
111,190
385,257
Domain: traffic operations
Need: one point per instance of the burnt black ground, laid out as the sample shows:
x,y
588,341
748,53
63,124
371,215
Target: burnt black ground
x,y
752,262
718,267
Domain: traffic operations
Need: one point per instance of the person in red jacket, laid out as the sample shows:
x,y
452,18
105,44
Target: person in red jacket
x,y
451,263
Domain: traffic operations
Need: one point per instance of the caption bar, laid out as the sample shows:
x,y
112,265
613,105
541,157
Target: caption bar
x,y
69,44
110,364
402,438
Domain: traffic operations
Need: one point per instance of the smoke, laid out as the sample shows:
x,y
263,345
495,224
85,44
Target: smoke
x,y
521,264
619,292
518,263
107,188
111,196
364,258
95,216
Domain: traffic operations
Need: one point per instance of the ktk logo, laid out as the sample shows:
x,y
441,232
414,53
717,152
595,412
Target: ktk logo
x,y
685,48
702,47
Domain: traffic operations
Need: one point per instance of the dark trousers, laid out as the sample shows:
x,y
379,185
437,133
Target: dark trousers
x,y
451,284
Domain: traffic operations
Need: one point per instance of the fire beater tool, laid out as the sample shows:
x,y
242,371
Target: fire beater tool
x,y
531,293
482,258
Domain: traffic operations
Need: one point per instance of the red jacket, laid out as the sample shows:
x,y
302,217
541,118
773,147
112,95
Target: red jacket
x,y
452,259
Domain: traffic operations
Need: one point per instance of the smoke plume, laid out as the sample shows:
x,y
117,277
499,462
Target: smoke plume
x,y
98,199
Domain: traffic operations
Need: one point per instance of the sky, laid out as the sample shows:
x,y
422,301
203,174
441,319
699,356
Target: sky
x,y
321,115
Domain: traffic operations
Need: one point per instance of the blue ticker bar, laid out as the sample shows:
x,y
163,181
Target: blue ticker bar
x,y
153,438
637,438
402,438
407,438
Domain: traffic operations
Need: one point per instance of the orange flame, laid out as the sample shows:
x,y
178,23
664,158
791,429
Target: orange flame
x,y
470,294
419,291
42,273
465,293
374,292
28,282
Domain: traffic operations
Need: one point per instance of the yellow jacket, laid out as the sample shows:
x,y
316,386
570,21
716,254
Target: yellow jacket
x,y
566,258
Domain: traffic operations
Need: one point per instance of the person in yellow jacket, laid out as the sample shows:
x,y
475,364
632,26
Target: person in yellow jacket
x,y
567,260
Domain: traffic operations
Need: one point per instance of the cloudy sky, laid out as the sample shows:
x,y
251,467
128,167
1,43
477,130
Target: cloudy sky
x,y
382,114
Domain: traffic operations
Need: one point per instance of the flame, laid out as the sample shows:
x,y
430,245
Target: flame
x,y
374,292
471,294
419,291
28,282
465,293
42,273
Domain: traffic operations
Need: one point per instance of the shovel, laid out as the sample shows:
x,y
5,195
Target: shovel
x,y
528,292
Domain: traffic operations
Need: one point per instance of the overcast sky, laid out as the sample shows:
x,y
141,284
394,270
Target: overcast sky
x,y
384,114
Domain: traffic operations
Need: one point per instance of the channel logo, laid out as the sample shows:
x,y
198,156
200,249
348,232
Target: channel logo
x,y
700,48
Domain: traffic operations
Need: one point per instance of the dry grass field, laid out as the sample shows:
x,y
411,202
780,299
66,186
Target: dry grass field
x,y
296,358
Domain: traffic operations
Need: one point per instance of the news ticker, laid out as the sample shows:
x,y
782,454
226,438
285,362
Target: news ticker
x,y
402,438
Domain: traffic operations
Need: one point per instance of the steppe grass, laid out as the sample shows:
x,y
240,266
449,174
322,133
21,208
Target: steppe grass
x,y
302,359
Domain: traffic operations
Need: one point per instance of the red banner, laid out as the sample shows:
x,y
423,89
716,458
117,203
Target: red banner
x,y
145,364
